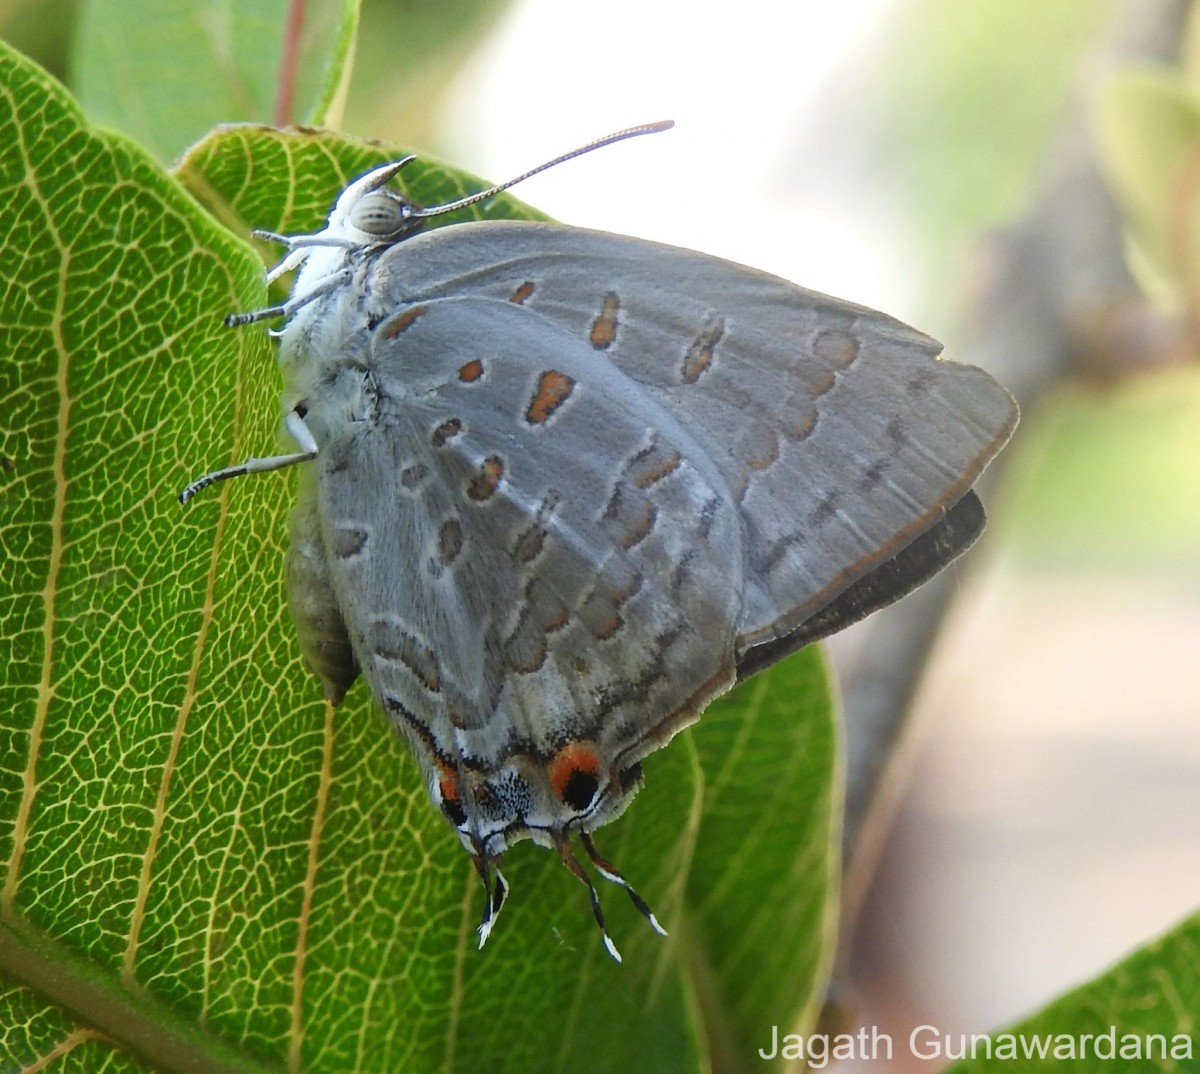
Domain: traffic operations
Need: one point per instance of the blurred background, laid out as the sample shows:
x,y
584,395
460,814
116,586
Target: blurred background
x,y
945,162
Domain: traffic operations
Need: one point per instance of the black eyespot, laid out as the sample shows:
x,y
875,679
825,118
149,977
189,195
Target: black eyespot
x,y
580,789
454,811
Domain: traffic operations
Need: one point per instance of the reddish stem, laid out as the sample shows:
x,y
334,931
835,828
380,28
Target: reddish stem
x,y
288,63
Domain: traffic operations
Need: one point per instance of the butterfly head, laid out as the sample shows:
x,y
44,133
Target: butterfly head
x,y
367,213
369,216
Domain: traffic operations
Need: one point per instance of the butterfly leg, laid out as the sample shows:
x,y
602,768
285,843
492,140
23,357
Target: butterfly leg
x,y
298,247
297,302
609,872
298,431
569,860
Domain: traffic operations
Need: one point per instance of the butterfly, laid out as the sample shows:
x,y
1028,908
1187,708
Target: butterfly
x,y
561,488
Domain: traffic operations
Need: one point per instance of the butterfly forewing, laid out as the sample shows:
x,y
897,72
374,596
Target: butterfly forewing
x,y
835,429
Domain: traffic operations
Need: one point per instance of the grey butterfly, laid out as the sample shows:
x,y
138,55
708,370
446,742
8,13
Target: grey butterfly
x,y
562,488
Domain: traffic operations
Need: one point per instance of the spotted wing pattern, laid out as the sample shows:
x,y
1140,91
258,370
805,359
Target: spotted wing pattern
x,y
527,550
567,480
836,429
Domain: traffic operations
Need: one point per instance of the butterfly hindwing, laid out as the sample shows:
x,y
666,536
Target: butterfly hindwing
x,y
526,548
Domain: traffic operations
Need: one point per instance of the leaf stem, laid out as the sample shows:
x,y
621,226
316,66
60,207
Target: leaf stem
x,y
151,1028
288,62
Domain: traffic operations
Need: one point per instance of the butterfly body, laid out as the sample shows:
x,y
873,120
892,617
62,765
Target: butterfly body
x,y
563,486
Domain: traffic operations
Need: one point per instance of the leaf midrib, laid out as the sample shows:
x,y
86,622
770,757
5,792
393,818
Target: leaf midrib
x,y
147,1026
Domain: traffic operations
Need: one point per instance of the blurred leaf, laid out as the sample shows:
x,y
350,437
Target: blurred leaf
x,y
407,60
1189,52
1149,131
1107,482
39,29
970,93
168,72
1154,991
201,859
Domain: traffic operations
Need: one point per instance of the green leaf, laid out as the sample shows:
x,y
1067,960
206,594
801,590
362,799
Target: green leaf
x,y
1156,990
169,71
106,327
203,861
1148,124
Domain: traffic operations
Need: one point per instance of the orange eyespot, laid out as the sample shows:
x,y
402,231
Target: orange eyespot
x,y
575,775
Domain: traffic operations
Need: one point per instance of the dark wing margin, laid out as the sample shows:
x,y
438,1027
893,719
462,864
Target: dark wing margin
x,y
913,566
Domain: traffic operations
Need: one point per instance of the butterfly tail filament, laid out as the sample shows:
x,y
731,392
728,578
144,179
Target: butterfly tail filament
x,y
609,872
570,861
494,896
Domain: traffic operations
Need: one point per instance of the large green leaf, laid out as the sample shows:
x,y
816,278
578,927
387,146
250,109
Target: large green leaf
x,y
204,862
167,72
1142,1016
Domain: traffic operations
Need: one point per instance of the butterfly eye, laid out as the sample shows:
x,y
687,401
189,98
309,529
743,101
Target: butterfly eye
x,y
380,215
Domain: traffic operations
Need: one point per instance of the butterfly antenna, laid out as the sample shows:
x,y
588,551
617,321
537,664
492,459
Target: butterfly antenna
x,y
569,860
599,143
609,872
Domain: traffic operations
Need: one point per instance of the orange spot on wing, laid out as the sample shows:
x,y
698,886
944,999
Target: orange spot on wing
x,y
529,544
836,347
604,327
700,354
446,431
640,529
450,541
402,322
820,386
655,474
765,454
573,759
412,476
553,389
451,796
484,485
522,293
471,372
609,628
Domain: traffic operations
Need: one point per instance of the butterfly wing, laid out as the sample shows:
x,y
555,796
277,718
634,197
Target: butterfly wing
x,y
836,429
916,563
568,481
527,551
